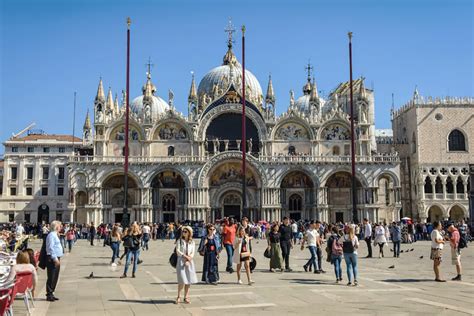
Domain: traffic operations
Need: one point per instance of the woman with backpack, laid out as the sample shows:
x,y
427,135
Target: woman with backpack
x,y
132,241
115,240
276,259
336,251
350,244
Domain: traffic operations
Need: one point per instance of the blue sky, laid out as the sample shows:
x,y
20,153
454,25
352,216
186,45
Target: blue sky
x,y
52,48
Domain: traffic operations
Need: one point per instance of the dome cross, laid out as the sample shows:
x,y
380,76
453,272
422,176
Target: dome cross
x,y
230,30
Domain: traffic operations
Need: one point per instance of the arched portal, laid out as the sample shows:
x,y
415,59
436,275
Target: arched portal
x,y
435,213
297,194
43,214
168,196
227,129
81,212
456,213
114,198
339,196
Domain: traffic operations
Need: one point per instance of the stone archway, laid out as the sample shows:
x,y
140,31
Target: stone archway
x,y
113,196
81,212
456,213
435,213
297,194
339,196
167,195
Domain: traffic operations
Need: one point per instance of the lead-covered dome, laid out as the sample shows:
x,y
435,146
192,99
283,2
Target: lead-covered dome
x,y
139,105
217,81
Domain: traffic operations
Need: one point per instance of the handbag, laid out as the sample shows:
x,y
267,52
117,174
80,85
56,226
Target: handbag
x,y
173,258
268,253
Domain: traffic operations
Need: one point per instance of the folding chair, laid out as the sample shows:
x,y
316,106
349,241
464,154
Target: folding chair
x,y
23,288
6,299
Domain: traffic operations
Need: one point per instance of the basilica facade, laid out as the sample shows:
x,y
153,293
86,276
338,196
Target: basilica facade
x,y
188,166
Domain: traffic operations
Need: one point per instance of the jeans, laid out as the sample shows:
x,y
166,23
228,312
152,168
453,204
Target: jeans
x,y
337,266
312,260
135,254
230,252
351,264
62,239
69,244
319,253
285,251
146,238
115,250
396,248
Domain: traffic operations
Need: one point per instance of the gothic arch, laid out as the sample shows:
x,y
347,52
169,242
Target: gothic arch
x,y
432,209
328,123
118,171
216,160
172,120
149,178
387,173
301,169
133,124
457,134
465,212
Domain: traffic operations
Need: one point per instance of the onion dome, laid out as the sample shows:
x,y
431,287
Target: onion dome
x,y
157,104
217,81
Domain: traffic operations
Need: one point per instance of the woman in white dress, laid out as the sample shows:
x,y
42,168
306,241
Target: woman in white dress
x,y
185,266
380,239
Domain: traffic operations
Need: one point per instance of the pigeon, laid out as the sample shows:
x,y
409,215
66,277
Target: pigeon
x,y
391,267
401,251
412,249
91,275
421,257
391,250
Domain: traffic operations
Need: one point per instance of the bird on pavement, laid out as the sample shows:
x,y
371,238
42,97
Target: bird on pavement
x,y
91,275
391,267
421,257
412,249
401,251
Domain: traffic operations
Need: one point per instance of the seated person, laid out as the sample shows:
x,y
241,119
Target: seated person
x,y
23,265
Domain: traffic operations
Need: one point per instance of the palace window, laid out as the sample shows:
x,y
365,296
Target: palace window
x,y
449,185
456,141
14,149
295,203
46,149
31,149
44,191
335,151
29,191
428,185
438,185
291,150
29,173
60,191
45,173
61,173
13,191
14,173
169,203
62,150
170,151
459,186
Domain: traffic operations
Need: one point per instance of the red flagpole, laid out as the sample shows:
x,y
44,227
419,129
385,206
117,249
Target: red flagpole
x,y
125,218
244,118
354,188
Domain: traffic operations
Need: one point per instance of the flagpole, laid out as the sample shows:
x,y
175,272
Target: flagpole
x,y
125,218
355,218
244,138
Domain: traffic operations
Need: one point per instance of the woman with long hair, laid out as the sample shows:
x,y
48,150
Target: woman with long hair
x,y
349,247
242,254
380,238
70,237
276,260
210,247
133,241
185,270
115,240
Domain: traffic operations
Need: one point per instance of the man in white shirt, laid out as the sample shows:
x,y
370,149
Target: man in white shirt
x,y
146,236
20,230
294,231
437,245
313,240
368,236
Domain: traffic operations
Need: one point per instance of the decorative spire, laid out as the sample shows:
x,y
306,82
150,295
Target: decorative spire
x,y
270,98
100,92
314,92
87,122
416,95
229,57
362,91
307,87
192,98
109,104
116,105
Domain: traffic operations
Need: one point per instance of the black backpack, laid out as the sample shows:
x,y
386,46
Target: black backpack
x,y
462,241
347,246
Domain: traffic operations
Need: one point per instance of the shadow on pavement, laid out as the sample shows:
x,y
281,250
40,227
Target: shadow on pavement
x,y
154,302
407,280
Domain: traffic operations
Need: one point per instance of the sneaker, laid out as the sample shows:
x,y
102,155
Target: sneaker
x,y
322,271
251,282
457,278
239,282
356,283
337,280
231,270
317,272
288,270
305,267
349,283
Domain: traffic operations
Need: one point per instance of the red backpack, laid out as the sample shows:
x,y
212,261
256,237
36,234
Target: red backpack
x,y
336,248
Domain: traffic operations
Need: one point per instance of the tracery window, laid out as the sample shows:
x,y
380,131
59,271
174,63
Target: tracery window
x,y
456,141
169,203
295,203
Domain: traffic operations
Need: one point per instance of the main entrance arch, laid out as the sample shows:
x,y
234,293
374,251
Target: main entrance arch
x,y
168,196
114,198
339,196
297,194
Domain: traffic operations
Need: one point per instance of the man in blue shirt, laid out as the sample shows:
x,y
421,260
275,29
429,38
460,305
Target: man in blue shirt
x,y
54,251
396,238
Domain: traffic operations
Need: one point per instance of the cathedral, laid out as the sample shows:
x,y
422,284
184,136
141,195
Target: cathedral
x,y
188,166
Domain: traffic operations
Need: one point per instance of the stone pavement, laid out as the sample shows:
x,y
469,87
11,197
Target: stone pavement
x,y
406,289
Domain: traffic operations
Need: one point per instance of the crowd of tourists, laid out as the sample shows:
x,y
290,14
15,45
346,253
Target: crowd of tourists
x,y
327,244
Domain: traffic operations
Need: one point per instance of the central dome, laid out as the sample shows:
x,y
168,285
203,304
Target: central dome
x,y
217,81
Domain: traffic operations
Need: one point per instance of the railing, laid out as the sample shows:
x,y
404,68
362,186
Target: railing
x,y
270,159
461,196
